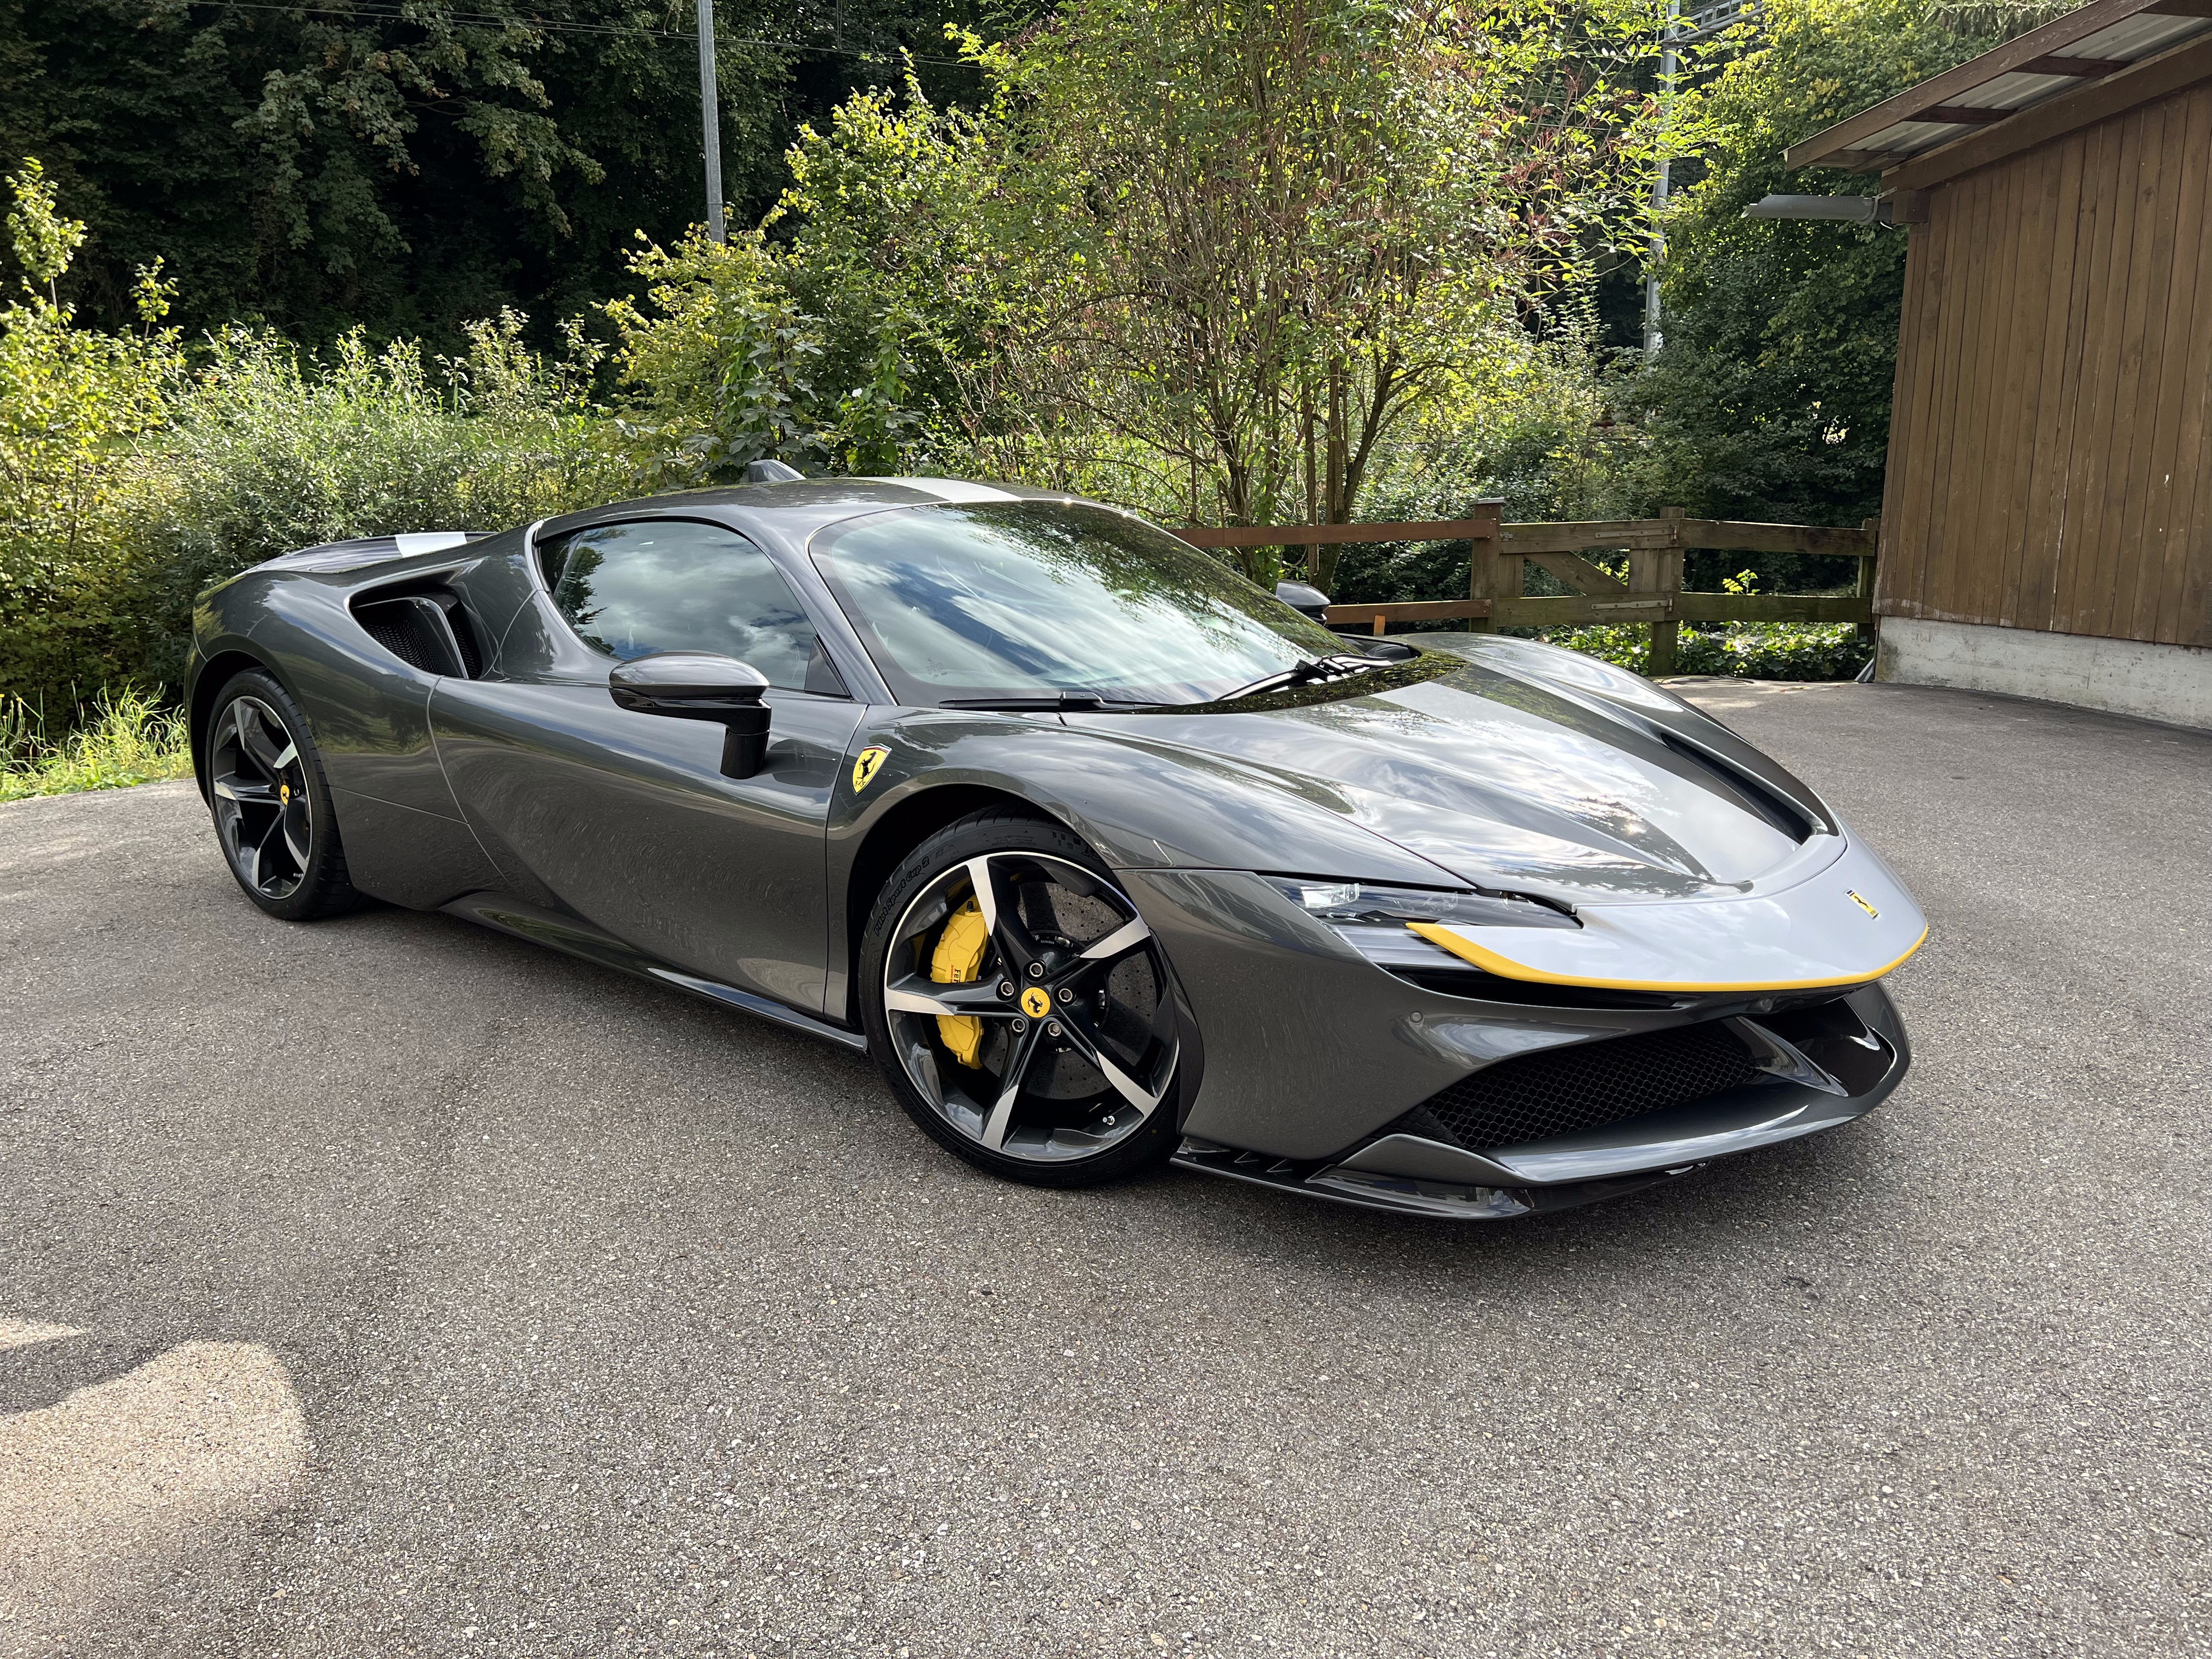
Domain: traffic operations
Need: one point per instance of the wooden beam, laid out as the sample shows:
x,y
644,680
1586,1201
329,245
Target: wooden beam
x,y
1584,535
2053,37
1312,535
2089,67
1410,610
1862,160
2155,78
1866,581
1576,609
1659,571
1579,572
1743,538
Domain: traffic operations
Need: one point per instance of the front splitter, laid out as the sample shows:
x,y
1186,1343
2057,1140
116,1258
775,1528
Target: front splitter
x,y
1404,1195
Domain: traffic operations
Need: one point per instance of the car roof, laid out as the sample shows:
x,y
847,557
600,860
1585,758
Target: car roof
x,y
796,510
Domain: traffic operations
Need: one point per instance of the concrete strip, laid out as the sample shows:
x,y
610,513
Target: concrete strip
x,y
2168,683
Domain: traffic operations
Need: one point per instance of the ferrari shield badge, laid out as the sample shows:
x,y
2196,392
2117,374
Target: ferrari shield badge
x,y
1862,904
865,768
1037,1002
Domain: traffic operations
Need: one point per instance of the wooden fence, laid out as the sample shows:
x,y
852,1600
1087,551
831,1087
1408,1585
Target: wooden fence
x,y
1653,594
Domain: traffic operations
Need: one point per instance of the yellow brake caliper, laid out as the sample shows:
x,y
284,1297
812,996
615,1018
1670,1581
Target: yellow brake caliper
x,y
956,960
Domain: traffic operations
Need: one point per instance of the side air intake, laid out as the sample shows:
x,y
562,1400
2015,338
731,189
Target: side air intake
x,y
426,631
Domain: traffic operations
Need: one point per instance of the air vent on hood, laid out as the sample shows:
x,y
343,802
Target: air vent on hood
x,y
430,631
1758,797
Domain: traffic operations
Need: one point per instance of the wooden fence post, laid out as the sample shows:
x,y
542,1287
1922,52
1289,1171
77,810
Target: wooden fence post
x,y
1487,579
1873,528
1659,570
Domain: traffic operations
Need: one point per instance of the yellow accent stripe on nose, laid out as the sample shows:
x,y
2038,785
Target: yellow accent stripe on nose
x,y
1505,968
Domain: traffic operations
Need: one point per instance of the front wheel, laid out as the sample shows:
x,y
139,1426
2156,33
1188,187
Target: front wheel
x,y
1019,1006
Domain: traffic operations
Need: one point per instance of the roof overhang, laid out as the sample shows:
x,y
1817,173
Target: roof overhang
x,y
2105,57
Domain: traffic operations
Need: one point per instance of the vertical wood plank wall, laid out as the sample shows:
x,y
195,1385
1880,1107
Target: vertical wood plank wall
x,y
2050,446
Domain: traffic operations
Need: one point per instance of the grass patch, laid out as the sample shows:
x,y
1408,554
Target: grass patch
x,y
125,736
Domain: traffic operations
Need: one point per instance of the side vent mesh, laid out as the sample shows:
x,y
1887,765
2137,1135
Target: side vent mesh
x,y
427,632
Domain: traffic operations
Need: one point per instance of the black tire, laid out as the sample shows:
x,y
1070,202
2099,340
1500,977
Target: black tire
x,y
1116,1007
271,803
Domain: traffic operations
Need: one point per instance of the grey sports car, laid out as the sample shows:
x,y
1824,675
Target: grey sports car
x,y
1105,855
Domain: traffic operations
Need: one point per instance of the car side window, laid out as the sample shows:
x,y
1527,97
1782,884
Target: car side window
x,y
668,585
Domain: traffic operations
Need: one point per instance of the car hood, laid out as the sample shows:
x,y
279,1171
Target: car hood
x,y
1506,781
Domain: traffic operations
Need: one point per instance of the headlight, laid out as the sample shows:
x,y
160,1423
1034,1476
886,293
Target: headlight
x,y
1353,904
1377,921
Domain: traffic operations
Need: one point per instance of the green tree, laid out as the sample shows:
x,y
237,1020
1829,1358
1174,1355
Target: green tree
x,y
407,168
71,402
1269,237
852,331
1771,398
1205,258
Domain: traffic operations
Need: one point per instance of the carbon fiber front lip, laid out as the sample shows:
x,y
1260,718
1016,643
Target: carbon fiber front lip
x,y
1408,1195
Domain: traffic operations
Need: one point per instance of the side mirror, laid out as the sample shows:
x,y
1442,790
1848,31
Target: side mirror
x,y
1309,602
697,685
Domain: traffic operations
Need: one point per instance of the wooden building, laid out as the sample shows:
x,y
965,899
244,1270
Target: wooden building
x,y
2046,524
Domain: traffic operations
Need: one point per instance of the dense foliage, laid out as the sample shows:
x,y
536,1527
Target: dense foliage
x,y
130,477
406,168
1315,261
1771,398
71,402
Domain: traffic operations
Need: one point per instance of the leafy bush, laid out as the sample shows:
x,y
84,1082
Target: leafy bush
x,y
270,449
71,401
1751,651
852,341
128,482
125,737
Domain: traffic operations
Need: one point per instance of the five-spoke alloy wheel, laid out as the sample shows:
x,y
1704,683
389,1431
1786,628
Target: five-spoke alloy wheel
x,y
1021,1008
272,812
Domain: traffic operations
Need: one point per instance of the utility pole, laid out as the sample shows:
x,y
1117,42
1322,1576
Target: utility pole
x,y
1668,63
710,119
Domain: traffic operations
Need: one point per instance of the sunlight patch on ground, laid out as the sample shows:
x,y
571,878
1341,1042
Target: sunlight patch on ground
x,y
130,1475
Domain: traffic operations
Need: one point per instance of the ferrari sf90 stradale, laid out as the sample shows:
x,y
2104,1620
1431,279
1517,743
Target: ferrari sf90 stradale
x,y
1105,855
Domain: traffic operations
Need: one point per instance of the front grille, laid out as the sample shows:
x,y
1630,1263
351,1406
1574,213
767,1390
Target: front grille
x,y
1585,1086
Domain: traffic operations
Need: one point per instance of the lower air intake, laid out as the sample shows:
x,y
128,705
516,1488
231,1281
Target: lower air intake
x,y
1587,1086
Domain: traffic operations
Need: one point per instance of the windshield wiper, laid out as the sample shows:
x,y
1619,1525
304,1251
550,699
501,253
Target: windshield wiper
x,y
1317,671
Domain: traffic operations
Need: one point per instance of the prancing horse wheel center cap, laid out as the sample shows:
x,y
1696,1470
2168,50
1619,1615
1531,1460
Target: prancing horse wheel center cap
x,y
1037,1002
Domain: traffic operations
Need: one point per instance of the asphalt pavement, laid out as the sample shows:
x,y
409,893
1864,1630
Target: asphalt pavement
x,y
386,1286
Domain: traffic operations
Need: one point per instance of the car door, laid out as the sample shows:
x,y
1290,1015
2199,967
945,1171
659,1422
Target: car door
x,y
625,819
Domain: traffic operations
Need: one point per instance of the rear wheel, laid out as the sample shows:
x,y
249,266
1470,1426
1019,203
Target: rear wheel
x,y
1019,1006
272,805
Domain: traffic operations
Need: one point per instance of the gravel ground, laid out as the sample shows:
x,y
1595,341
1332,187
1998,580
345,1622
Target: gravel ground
x,y
388,1287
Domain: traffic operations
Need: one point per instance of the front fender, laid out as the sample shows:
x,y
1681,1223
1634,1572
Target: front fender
x,y
1140,807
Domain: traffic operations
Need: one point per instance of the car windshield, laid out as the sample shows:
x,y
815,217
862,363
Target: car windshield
x,y
1038,599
